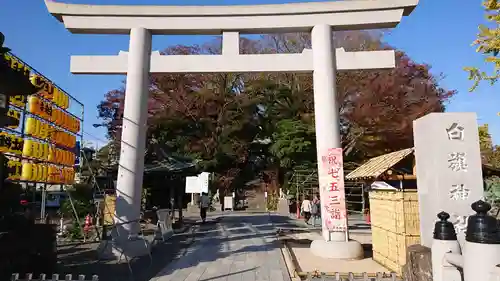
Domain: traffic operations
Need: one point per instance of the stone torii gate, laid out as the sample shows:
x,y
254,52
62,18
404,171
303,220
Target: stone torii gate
x,y
319,18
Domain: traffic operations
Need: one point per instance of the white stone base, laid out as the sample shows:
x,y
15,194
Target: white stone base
x,y
351,250
124,249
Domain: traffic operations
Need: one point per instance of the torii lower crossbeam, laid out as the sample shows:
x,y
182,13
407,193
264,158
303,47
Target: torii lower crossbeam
x,y
232,63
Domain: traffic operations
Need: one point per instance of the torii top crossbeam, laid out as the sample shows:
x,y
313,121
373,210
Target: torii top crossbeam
x,y
292,17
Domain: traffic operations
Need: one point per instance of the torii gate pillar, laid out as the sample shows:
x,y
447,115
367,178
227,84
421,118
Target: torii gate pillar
x,y
336,244
133,138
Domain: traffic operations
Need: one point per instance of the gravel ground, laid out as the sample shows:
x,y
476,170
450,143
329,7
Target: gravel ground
x,y
81,258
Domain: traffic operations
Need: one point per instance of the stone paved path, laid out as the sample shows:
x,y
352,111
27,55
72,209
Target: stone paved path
x,y
239,247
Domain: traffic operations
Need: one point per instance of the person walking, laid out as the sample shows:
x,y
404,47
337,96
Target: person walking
x,y
306,209
316,209
204,205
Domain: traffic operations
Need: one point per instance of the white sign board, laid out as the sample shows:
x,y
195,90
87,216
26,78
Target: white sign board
x,y
193,185
228,202
203,177
449,169
198,184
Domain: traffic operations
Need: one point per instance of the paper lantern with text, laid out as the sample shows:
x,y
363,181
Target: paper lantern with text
x,y
28,148
27,172
51,157
16,145
44,173
15,169
31,126
44,130
18,100
13,119
52,174
45,88
34,105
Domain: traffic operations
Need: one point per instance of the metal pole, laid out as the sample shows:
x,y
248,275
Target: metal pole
x,y
43,203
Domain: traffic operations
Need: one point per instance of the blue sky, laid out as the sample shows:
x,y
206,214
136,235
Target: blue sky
x,y
439,33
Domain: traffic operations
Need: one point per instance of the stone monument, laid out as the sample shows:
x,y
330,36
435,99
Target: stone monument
x,y
449,169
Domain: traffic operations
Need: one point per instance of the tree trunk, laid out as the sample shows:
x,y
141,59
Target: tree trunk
x,y
418,265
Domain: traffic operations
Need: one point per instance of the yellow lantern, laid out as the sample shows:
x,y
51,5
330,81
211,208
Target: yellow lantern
x,y
39,172
27,171
61,157
52,174
51,157
17,145
44,173
55,115
68,175
31,127
56,99
16,116
36,149
18,100
58,177
43,130
45,87
14,170
68,158
45,155
66,102
65,157
28,148
72,176
54,134
56,156
62,154
34,175
34,105
76,126
39,150
64,175
73,158
3,144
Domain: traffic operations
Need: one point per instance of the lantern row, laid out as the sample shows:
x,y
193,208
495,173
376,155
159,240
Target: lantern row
x,y
49,128
45,110
42,130
33,149
47,90
45,131
44,173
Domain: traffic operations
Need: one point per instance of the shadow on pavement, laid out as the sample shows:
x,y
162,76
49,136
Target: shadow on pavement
x,y
229,274
211,240
82,258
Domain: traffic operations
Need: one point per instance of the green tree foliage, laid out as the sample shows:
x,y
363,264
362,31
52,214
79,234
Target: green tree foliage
x,y
492,193
3,50
81,200
488,44
293,142
243,126
490,153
